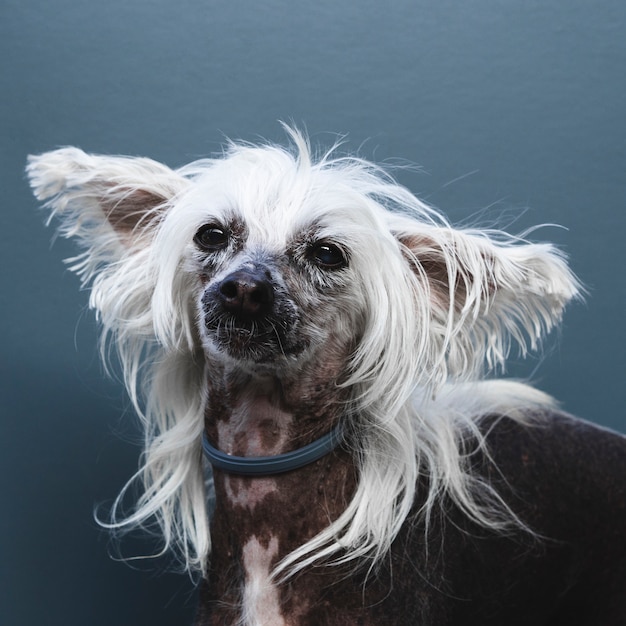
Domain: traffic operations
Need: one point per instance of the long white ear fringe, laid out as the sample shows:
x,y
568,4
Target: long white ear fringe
x,y
103,201
113,207
485,291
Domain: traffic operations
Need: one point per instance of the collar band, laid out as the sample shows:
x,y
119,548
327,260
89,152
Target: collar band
x,y
271,465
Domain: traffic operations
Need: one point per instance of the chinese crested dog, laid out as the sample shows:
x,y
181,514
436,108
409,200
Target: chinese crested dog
x,y
321,339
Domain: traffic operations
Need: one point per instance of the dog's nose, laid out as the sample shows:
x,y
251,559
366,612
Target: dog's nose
x,y
246,293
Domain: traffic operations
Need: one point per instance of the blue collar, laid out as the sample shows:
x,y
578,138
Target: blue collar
x,y
270,465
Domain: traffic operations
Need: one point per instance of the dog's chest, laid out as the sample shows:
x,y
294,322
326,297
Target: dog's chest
x,y
261,601
256,527
249,542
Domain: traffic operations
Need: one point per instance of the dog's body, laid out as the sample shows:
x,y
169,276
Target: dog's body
x,y
276,300
564,477
574,574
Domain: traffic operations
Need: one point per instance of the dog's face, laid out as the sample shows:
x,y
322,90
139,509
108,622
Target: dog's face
x,y
268,301
278,279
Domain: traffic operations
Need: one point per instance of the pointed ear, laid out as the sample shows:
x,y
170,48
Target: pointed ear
x,y
486,288
96,196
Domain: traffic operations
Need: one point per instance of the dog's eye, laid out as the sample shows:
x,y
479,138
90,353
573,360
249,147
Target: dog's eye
x,y
211,238
328,256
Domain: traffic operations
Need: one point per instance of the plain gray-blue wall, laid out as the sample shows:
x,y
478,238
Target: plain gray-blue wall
x,y
514,110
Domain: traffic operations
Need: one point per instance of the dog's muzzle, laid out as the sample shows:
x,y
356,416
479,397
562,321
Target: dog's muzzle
x,y
250,318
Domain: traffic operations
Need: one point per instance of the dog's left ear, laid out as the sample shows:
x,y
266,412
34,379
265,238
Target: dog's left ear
x,y
485,288
103,200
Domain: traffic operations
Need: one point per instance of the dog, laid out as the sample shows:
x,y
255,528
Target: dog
x,y
324,344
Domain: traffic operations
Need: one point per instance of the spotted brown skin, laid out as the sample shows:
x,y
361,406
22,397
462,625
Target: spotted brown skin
x,y
290,515
572,572
269,416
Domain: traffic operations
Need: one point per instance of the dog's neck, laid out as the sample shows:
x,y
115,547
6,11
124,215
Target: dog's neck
x,y
264,414
258,521
248,416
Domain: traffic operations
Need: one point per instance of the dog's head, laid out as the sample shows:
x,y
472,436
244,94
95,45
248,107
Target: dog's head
x,y
268,259
273,261
279,261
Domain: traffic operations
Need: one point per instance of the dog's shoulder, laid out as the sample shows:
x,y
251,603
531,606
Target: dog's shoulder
x,y
554,441
565,480
565,475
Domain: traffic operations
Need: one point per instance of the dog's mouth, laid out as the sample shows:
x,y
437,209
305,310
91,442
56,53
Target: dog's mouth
x,y
258,341
246,318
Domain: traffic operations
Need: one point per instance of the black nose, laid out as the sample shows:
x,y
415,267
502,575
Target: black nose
x,y
247,293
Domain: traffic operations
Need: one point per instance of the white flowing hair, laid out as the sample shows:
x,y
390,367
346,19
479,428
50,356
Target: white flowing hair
x,y
442,308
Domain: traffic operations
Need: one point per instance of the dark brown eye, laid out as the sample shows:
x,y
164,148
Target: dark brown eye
x,y
211,238
328,256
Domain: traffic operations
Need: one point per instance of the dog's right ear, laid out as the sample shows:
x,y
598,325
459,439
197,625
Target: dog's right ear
x,y
109,202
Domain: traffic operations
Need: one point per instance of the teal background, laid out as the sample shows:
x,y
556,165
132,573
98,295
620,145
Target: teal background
x,y
515,112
